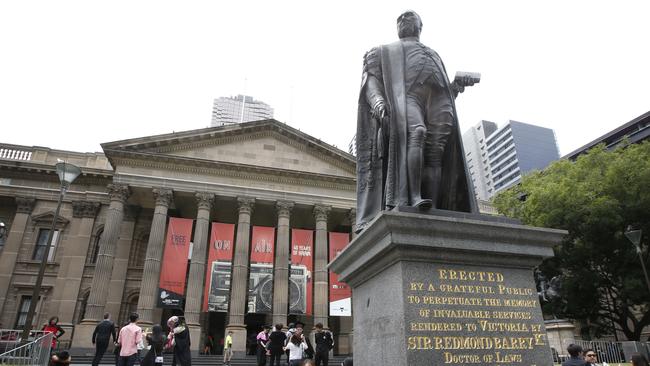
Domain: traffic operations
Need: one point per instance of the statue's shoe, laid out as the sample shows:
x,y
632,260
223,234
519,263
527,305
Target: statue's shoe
x,y
423,204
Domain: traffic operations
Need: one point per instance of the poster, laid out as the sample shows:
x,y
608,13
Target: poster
x,y
260,284
173,271
219,267
302,265
340,293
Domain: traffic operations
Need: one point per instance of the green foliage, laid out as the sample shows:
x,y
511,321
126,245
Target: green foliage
x,y
594,198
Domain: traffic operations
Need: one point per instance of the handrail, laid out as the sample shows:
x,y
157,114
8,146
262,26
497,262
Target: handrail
x,y
33,353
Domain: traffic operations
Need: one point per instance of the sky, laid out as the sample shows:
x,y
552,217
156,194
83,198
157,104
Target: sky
x,y
75,74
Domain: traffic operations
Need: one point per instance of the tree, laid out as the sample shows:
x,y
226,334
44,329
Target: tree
x,y
594,198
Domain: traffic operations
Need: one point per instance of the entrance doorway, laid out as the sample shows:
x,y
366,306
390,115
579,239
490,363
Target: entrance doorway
x,y
214,330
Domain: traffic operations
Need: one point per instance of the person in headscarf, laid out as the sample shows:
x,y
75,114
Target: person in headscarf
x,y
180,336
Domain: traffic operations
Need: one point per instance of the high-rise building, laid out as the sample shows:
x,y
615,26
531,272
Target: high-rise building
x,y
497,158
229,110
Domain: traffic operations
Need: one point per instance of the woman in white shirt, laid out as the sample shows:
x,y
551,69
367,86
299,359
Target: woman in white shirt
x,y
296,348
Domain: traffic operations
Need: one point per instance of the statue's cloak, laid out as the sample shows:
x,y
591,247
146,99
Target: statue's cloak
x,y
382,179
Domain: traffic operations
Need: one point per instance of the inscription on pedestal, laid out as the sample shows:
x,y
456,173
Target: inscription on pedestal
x,y
464,315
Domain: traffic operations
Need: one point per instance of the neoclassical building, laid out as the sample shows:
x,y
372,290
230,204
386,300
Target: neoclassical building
x,y
113,235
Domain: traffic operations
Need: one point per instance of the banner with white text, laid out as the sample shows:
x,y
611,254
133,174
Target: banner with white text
x,y
260,284
340,293
219,267
173,270
302,265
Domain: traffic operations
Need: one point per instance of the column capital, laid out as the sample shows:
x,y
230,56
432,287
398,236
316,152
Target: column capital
x,y
118,192
245,204
163,196
204,200
283,208
131,212
85,209
321,212
25,205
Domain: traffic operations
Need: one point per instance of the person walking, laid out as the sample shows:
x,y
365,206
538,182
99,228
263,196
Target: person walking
x,y
101,336
575,351
277,341
53,327
129,338
157,342
324,343
227,349
180,336
296,348
262,343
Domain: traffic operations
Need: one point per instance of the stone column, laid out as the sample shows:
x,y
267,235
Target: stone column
x,y
239,280
151,272
104,267
346,331
121,262
118,194
281,268
12,245
321,302
196,281
73,261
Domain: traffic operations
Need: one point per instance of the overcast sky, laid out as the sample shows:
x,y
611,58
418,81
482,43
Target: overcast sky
x,y
74,74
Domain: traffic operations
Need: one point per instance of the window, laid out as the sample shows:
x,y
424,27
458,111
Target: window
x,y
95,248
41,243
22,312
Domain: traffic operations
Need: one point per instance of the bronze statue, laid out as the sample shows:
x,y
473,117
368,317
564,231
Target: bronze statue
x,y
409,150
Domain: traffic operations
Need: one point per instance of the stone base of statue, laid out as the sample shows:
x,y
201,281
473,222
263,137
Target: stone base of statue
x,y
446,288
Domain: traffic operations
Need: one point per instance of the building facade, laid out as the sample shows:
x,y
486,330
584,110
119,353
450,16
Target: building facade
x,y
237,109
112,239
635,131
503,155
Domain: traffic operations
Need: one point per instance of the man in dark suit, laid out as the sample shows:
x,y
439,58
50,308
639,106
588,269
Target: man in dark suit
x,y
103,331
575,351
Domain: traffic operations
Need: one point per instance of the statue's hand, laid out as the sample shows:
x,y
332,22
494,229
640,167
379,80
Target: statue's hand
x,y
466,81
379,110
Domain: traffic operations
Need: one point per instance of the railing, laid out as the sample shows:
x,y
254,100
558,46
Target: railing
x,y
615,352
34,353
15,154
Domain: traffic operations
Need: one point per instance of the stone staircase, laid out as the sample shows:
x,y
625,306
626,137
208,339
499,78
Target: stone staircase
x,y
202,360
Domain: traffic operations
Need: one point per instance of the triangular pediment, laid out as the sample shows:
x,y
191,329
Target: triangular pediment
x,y
265,144
46,218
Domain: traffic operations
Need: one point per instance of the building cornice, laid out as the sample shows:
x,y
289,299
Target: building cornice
x,y
231,170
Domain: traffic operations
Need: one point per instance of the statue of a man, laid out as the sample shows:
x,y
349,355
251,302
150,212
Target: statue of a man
x,y
409,151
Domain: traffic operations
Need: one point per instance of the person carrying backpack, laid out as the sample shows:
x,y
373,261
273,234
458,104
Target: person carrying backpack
x,y
324,343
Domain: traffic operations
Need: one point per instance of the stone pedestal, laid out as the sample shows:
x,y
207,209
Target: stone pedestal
x,y
446,288
560,334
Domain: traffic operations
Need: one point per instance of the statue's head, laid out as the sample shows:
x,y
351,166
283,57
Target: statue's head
x,y
409,24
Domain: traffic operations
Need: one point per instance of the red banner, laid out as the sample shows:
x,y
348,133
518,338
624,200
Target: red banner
x,y
340,293
260,288
302,265
219,267
174,263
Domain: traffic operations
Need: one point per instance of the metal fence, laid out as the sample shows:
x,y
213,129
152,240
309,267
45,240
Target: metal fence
x,y
615,352
34,353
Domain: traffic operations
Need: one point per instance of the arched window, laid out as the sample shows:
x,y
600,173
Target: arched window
x,y
82,304
138,250
94,250
130,305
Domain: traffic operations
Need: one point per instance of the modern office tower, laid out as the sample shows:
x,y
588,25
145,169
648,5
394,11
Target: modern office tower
x,y
634,132
474,141
501,157
229,110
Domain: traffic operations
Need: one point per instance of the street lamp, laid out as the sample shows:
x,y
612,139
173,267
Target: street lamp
x,y
635,237
67,174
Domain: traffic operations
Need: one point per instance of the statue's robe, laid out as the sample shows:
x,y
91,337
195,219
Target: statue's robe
x,y
381,145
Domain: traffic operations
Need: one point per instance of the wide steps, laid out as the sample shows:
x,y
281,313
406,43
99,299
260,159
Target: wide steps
x,y
202,360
